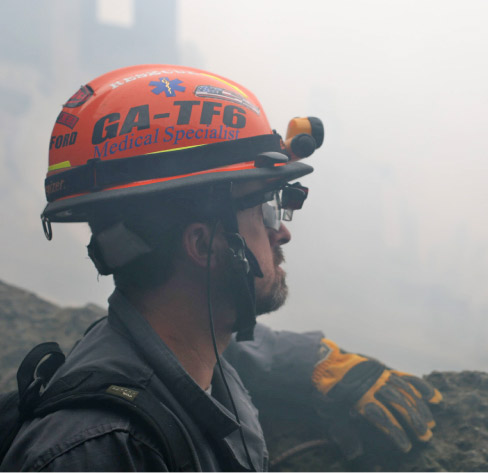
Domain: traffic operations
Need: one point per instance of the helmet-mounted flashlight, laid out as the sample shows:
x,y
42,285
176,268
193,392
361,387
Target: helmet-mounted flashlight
x,y
303,136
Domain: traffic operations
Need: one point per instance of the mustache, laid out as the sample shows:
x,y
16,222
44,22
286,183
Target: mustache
x,y
278,256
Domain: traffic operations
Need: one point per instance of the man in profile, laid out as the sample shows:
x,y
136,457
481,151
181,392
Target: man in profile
x,y
185,187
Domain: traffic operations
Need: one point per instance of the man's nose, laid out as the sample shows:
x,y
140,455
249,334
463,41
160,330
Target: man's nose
x,y
279,237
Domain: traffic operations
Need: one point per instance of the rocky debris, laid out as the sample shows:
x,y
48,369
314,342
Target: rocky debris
x,y
460,441
27,320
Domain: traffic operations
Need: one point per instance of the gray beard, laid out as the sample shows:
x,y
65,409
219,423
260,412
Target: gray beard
x,y
276,297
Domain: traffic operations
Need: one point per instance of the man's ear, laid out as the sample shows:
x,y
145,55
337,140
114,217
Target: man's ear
x,y
196,242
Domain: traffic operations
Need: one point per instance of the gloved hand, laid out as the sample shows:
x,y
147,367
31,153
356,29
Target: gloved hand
x,y
381,395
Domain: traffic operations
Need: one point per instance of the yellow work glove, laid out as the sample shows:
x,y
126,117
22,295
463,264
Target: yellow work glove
x,y
388,399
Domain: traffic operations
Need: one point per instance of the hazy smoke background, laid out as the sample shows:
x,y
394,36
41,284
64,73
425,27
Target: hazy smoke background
x,y
390,255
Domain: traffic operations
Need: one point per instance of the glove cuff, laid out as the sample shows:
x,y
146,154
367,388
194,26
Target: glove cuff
x,y
333,366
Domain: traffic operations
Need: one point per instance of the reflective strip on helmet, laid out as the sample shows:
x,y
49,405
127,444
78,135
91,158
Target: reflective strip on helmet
x,y
173,149
55,167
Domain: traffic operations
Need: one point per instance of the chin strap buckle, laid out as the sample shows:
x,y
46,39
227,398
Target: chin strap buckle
x,y
237,251
246,268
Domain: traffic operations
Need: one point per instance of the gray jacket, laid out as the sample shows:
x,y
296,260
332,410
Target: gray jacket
x,y
277,363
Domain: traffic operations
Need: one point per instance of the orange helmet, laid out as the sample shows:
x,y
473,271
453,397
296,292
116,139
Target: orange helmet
x,y
159,128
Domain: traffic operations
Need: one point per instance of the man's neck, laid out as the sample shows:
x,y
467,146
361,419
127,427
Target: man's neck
x,y
179,315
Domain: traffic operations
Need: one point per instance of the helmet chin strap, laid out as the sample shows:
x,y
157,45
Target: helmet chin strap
x,y
244,268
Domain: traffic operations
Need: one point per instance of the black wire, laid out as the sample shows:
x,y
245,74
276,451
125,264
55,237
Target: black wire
x,y
212,331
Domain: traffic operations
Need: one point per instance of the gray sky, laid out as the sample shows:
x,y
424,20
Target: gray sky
x,y
390,254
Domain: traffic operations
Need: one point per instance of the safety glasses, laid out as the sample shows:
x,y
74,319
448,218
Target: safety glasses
x,y
277,204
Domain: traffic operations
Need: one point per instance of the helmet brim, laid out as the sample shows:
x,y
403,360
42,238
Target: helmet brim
x,y
77,208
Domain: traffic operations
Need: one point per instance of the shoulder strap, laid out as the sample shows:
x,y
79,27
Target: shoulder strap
x,y
121,394
34,372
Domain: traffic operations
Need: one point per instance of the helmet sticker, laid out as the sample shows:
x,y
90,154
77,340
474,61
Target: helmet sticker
x,y
208,91
61,141
169,87
186,112
80,97
126,80
67,119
